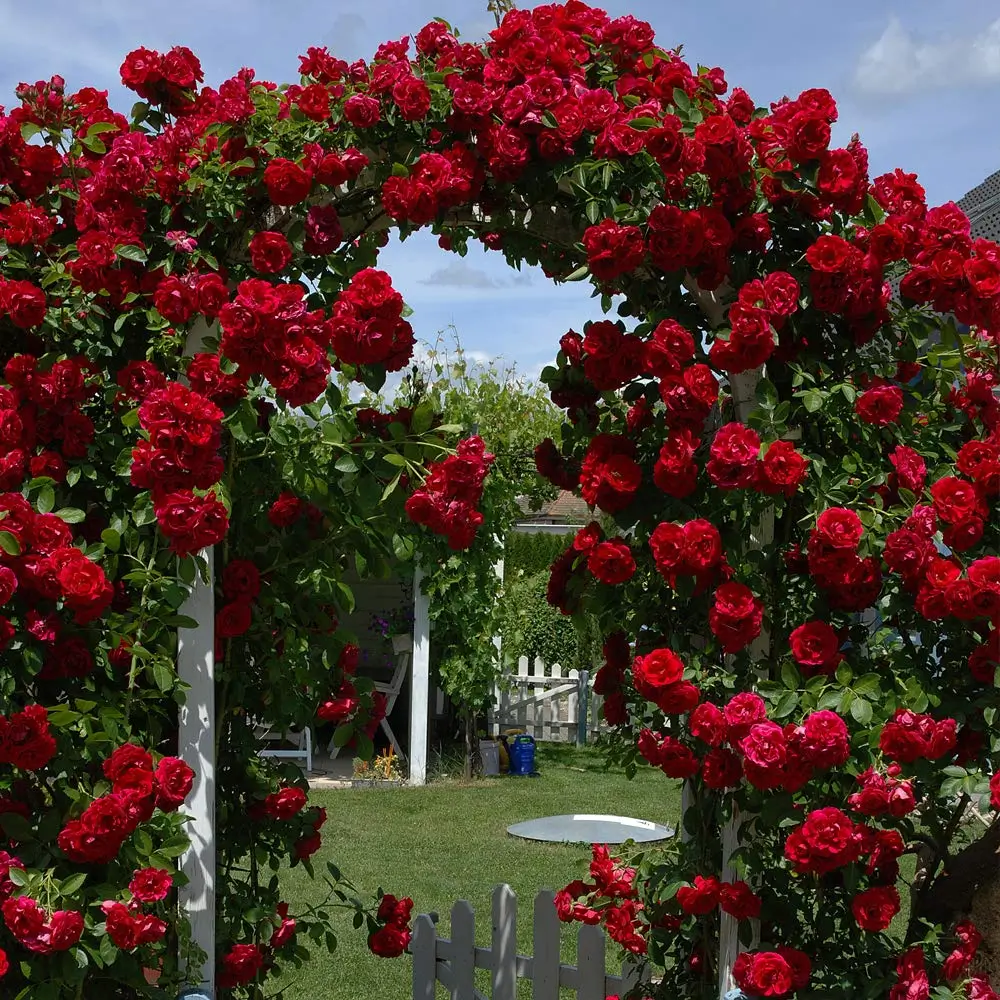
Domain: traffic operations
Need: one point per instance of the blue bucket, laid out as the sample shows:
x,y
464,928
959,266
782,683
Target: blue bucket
x,y
522,756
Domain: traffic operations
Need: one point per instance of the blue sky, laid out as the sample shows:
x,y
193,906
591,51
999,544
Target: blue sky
x,y
919,80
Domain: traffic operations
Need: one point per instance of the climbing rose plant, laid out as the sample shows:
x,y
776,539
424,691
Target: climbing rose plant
x,y
799,604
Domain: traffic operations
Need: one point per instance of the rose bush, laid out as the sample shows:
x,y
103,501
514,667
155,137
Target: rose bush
x,y
801,601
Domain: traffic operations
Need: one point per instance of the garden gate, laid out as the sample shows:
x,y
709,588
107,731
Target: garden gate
x,y
547,703
453,963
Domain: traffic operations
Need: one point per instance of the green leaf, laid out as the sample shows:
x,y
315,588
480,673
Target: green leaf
x,y
71,515
862,711
111,539
346,463
767,394
162,675
46,500
29,130
813,400
343,736
131,253
9,543
394,459
73,884
789,675
579,274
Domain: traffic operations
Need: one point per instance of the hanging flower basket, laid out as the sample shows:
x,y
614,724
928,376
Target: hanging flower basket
x,y
402,644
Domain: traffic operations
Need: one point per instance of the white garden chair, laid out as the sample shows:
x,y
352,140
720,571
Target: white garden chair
x,y
403,647
301,743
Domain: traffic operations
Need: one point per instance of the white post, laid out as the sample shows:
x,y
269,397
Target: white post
x,y
420,681
744,389
196,743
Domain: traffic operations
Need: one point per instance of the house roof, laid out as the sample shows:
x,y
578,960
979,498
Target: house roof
x,y
567,508
982,206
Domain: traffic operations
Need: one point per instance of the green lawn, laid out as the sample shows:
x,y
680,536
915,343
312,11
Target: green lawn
x,y
448,841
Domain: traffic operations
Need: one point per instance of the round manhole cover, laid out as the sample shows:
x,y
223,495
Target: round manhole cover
x,y
584,828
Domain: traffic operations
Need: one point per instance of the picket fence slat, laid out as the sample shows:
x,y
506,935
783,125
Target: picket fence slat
x,y
504,943
452,963
463,962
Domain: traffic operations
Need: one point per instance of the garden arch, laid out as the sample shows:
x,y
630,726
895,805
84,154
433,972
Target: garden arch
x,y
752,426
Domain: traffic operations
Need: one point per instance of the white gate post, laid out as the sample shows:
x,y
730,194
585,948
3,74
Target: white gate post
x,y
196,744
420,681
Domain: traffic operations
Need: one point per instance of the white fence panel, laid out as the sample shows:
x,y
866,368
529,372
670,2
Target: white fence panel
x,y
453,962
546,702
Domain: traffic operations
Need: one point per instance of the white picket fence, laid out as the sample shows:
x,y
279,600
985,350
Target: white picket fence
x,y
546,702
453,963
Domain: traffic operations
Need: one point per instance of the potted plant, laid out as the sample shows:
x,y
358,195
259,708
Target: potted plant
x,y
382,772
394,626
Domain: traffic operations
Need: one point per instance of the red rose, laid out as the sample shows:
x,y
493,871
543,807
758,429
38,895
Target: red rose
x,y
25,741
736,616
241,580
708,724
287,183
150,885
362,111
307,846
816,647
240,965
874,908
838,528
286,803
413,98
656,671
612,249
721,768
191,522
314,102
954,499
733,456
285,511
911,470
765,752
701,897
763,974
233,619
64,929
125,759
827,840
611,562
23,302
824,739
739,901
782,469
389,942
742,712
270,252
830,254
174,780
880,406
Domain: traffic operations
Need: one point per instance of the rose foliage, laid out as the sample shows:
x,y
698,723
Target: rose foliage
x,y
800,600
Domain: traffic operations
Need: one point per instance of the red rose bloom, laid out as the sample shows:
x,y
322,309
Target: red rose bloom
x,y
240,965
362,111
880,405
174,780
150,885
241,580
611,562
739,901
656,671
954,499
827,840
874,908
285,803
736,616
233,619
270,253
782,470
708,724
287,183
701,897
733,456
763,974
285,511
815,648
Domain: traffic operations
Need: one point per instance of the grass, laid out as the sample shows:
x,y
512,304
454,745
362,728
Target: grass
x,y
448,841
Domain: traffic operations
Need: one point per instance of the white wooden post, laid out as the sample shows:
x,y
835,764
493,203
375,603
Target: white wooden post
x,y
463,951
423,947
196,744
744,389
505,944
591,972
420,680
545,963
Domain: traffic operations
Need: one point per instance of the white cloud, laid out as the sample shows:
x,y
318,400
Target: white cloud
x,y
901,63
459,274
